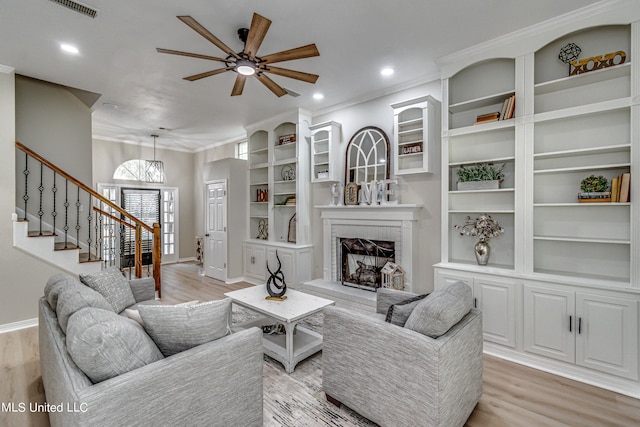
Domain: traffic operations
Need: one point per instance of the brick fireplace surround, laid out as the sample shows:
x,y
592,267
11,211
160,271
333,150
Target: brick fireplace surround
x,y
395,223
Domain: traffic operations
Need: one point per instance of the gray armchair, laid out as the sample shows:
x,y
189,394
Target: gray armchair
x,y
396,376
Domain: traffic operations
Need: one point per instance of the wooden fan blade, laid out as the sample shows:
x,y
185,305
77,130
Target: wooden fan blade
x,y
195,25
259,27
207,74
189,54
288,55
292,74
238,86
273,86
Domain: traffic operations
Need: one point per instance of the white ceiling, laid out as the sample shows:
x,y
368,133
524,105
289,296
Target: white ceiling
x,y
356,38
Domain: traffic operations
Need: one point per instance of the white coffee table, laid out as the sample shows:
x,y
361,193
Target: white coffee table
x,y
290,348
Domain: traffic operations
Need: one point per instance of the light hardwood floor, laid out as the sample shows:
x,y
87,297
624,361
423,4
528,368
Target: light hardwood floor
x,y
514,395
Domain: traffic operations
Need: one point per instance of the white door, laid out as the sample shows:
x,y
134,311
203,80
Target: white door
x,y
215,253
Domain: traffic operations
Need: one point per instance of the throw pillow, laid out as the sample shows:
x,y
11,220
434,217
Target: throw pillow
x,y
399,313
112,285
54,286
176,328
73,297
442,309
105,345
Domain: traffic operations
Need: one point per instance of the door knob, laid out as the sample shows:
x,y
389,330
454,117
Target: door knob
x,y
206,235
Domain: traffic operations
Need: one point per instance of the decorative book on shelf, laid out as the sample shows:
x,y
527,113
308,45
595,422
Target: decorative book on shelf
x,y
599,197
620,186
507,111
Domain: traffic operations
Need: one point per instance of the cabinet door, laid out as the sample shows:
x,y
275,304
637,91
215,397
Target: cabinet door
x,y
287,264
445,278
549,323
607,338
254,265
496,300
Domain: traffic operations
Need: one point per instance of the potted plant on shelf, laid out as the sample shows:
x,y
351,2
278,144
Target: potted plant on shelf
x,y
483,228
480,176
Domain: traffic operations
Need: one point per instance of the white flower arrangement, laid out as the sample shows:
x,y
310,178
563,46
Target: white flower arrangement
x,y
483,227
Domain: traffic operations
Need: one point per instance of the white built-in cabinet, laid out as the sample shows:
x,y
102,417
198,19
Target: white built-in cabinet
x,y
295,263
495,297
592,330
279,196
416,128
561,291
327,159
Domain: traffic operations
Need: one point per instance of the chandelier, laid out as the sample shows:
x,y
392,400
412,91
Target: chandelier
x,y
154,169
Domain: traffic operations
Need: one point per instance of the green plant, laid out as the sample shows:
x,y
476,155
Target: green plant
x,y
480,172
484,227
594,184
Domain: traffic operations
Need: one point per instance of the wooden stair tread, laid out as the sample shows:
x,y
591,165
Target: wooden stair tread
x,y
35,233
59,246
84,257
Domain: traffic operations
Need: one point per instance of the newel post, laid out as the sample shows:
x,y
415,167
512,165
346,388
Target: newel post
x,y
157,257
138,251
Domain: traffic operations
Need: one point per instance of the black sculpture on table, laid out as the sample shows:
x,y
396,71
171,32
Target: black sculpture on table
x,y
276,280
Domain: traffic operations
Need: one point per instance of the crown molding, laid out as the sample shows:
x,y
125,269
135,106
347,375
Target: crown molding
x,y
5,69
529,39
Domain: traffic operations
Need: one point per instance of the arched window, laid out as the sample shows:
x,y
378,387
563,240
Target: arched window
x,y
131,170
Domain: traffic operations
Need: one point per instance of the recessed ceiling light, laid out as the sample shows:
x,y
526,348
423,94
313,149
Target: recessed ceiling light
x,y
69,48
388,71
318,96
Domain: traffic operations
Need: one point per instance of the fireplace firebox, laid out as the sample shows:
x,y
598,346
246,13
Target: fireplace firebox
x,y
362,261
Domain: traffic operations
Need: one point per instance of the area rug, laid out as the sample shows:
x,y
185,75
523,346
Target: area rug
x,y
297,399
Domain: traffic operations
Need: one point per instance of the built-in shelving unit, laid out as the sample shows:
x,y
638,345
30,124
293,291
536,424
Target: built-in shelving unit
x,y
416,127
561,291
279,197
327,160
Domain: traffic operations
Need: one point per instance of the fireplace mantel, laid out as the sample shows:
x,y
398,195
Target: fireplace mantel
x,y
382,222
406,212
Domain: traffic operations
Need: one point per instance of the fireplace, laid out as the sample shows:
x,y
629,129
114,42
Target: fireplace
x,y
361,261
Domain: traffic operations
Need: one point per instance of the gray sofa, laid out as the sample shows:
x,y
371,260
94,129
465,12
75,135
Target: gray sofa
x,y
396,376
218,383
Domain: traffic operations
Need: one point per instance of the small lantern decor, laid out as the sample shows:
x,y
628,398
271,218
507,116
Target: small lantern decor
x,y
392,276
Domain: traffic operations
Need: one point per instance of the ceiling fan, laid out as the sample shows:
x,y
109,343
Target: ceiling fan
x,y
246,62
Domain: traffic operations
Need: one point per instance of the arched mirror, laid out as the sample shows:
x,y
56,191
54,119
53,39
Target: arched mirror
x,y
367,156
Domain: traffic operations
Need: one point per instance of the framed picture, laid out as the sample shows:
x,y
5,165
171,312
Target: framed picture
x,y
291,238
351,194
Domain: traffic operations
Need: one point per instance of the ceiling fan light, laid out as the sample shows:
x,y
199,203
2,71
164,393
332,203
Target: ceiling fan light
x,y
245,67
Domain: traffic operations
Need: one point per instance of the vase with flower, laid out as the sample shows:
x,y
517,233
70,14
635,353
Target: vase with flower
x,y
483,228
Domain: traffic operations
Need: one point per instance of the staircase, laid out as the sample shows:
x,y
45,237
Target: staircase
x,y
69,225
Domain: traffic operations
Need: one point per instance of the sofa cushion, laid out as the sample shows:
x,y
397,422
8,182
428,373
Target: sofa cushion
x,y
73,297
176,328
54,286
112,285
437,313
104,344
399,313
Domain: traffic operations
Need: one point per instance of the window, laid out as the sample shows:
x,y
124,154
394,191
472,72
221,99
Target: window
x,y
131,170
241,150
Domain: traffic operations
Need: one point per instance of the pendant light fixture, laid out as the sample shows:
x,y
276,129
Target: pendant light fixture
x,y
154,169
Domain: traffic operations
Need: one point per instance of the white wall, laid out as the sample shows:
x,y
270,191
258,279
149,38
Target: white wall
x,y
23,277
422,189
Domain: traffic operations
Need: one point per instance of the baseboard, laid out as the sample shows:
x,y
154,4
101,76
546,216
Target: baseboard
x,y
189,259
16,326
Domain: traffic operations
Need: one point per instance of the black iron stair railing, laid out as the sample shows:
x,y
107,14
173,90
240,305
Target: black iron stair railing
x,y
100,232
